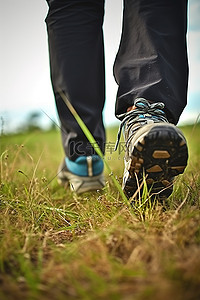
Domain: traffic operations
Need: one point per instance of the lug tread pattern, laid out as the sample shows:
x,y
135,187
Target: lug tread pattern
x,y
161,155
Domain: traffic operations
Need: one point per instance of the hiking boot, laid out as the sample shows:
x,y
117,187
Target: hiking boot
x,y
84,174
155,150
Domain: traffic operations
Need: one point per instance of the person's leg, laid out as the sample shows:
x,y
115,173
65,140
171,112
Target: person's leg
x,y
77,68
151,70
152,57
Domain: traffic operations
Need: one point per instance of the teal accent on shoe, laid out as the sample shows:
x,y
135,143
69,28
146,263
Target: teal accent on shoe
x,y
80,165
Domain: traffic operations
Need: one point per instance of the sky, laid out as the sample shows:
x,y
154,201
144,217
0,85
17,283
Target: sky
x,y
24,63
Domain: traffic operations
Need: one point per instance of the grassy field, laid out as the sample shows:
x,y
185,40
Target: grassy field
x,y
57,245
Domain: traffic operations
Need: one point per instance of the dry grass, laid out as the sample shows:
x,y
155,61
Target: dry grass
x,y
57,245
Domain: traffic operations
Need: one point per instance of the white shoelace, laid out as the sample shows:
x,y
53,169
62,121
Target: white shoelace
x,y
143,113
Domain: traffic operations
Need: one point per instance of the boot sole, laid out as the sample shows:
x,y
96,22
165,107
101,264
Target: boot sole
x,y
159,154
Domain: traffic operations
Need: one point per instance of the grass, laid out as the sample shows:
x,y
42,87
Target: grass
x,y
57,245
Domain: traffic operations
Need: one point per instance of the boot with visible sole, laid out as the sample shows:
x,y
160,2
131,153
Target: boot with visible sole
x,y
155,150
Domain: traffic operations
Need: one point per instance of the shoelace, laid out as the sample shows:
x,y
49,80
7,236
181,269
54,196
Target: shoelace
x,y
143,112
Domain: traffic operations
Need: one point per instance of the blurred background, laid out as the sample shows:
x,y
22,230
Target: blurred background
x,y
26,97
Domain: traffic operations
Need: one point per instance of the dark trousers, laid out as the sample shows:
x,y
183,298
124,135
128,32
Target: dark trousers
x,y
151,62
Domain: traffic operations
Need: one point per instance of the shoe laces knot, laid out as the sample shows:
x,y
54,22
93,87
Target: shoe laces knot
x,y
142,113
